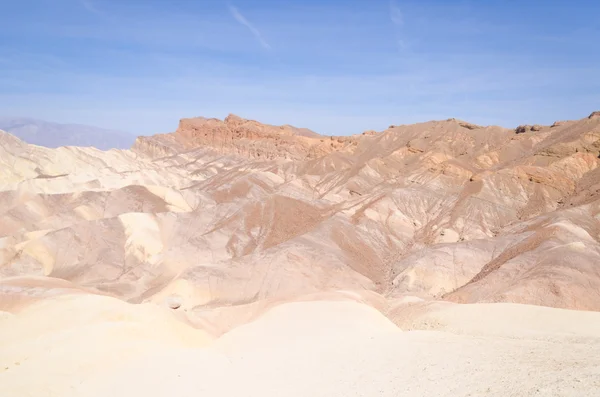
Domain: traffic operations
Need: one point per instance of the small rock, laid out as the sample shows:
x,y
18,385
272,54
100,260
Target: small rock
x,y
522,128
536,127
174,302
557,124
469,126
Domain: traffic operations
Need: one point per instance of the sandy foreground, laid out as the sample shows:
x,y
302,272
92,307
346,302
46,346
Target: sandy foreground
x,y
87,345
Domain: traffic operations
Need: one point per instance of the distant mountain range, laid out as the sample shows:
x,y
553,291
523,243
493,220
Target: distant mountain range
x,y
53,135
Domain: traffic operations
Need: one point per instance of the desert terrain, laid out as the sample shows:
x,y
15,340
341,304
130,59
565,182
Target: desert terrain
x,y
236,258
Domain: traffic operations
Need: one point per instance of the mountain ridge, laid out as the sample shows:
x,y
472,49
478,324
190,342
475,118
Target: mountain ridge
x,y
54,135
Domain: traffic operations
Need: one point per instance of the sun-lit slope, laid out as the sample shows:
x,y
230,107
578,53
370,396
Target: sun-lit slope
x,y
220,213
49,347
316,348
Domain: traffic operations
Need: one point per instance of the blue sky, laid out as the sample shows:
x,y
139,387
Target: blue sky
x,y
337,67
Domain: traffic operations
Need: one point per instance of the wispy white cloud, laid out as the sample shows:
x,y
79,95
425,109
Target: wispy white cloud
x,y
90,6
242,20
397,18
396,13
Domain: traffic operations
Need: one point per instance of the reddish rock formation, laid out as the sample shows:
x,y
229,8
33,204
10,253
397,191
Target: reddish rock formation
x,y
247,138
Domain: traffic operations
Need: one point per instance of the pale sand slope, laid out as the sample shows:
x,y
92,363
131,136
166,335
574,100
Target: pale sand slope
x,y
50,346
97,346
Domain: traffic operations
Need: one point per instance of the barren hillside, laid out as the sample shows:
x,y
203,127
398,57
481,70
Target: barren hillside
x,y
223,221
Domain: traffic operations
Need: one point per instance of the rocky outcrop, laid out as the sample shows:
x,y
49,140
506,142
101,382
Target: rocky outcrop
x,y
594,115
246,138
464,124
469,126
525,128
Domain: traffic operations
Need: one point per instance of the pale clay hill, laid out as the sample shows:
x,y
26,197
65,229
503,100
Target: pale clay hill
x,y
234,258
